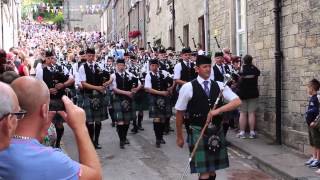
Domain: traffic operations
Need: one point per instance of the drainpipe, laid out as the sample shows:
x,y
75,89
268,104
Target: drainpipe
x,y
173,25
278,64
2,31
206,26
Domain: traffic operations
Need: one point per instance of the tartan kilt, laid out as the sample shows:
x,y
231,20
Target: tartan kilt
x,y
140,101
79,95
205,161
119,113
91,114
155,111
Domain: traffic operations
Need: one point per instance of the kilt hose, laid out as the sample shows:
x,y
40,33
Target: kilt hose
x,y
154,109
95,115
124,109
205,161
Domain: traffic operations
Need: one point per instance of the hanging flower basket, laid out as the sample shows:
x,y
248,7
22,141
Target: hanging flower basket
x,y
134,34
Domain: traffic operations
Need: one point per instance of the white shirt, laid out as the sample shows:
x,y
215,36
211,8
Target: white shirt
x,y
147,80
39,72
186,93
114,79
177,70
82,72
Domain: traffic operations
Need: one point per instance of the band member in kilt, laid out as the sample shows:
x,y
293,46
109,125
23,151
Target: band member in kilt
x,y
184,72
94,83
198,97
57,79
78,85
110,67
166,65
124,112
160,109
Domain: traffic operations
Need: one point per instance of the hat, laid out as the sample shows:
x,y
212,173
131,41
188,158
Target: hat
x,y
81,52
162,51
120,61
186,50
202,60
153,61
90,51
218,54
49,54
133,57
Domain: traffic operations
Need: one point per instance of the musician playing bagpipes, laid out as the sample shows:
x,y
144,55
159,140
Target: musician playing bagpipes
x,y
166,65
158,86
124,88
184,72
94,82
57,79
198,98
140,99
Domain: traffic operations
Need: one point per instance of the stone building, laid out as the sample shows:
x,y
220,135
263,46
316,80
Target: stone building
x,y
247,26
77,18
122,16
188,24
10,18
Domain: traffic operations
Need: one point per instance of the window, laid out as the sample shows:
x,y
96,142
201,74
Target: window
x,y
241,35
186,35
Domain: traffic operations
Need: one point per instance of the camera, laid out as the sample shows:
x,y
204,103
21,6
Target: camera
x,y
56,105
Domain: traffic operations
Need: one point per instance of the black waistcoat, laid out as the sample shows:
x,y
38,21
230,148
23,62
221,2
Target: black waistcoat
x,y
125,83
93,78
200,104
218,76
158,83
187,74
51,78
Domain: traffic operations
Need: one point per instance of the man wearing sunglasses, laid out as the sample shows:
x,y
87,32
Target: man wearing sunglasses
x,y
27,158
9,114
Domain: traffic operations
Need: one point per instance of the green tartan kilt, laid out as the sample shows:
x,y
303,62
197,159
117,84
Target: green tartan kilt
x,y
205,161
120,114
155,111
140,101
93,115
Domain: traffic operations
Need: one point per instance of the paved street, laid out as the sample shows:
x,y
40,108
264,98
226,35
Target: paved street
x,y
142,160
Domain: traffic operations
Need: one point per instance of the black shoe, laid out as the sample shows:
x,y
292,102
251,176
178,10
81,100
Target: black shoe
x,y
162,141
166,132
97,146
134,130
140,128
122,144
113,124
158,143
126,142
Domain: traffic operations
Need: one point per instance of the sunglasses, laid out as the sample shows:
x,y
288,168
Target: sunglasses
x,y
20,115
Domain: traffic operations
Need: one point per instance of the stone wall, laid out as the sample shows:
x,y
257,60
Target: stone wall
x,y
300,40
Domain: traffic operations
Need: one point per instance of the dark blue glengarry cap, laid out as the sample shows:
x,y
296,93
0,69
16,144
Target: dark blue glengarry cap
x,y
81,53
49,54
153,61
121,61
218,54
203,60
90,51
186,50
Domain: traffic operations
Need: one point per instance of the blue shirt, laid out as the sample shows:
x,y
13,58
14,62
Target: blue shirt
x,y
28,159
313,109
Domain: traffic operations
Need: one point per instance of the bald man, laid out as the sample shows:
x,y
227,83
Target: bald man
x,y
9,106
36,161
